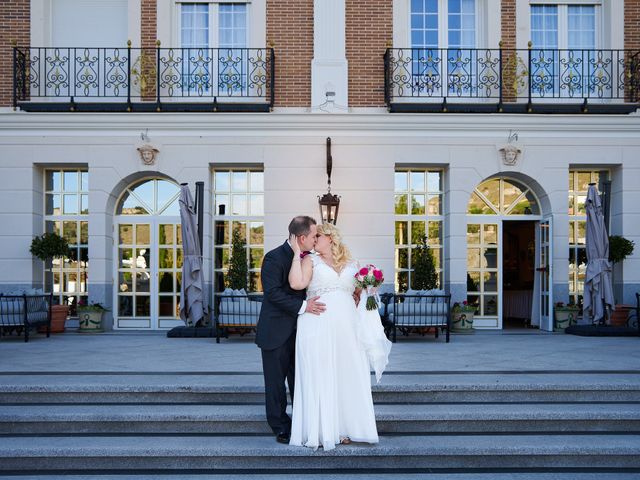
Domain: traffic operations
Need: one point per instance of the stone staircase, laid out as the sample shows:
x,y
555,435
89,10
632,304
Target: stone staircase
x,y
473,425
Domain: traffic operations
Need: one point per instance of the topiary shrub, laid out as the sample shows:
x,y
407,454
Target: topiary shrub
x,y
619,248
424,275
238,271
49,245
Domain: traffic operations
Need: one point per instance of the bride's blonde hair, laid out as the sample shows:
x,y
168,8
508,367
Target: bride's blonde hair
x,y
339,251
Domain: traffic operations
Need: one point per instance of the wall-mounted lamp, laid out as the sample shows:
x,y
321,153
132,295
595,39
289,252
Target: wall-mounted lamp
x,y
329,203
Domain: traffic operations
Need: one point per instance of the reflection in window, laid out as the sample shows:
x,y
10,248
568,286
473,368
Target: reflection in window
x,y
500,196
66,213
238,198
482,267
418,212
150,197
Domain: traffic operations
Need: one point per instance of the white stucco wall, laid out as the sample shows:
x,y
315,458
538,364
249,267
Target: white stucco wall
x,y
291,147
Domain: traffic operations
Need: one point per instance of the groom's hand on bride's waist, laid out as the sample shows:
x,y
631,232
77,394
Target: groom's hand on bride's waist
x,y
314,306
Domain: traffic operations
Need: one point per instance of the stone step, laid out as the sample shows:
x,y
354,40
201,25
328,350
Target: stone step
x,y
234,389
250,419
496,475
256,454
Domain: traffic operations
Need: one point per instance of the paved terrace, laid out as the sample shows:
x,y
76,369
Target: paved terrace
x,y
493,352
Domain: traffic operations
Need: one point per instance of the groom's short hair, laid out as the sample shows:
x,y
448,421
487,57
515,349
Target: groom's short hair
x,y
301,225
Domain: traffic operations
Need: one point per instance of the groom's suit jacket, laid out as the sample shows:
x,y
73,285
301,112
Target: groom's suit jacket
x,y
281,304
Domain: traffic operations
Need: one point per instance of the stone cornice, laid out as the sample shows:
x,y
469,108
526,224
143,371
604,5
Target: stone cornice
x,y
311,124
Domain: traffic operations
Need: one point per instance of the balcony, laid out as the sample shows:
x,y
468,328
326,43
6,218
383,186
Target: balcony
x,y
512,81
48,79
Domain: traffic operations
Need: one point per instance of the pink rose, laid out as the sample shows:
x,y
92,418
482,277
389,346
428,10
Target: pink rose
x,y
364,271
378,275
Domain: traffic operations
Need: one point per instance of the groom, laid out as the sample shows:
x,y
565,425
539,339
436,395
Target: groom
x,y
276,334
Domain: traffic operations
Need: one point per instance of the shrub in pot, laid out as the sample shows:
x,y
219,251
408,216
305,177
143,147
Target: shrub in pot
x,y
90,317
462,317
619,249
47,247
564,316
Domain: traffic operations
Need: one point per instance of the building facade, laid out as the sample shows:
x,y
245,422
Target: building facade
x,y
477,124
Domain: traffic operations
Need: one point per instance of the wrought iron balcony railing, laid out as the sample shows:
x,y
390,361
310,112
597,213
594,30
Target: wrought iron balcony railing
x,y
98,79
499,76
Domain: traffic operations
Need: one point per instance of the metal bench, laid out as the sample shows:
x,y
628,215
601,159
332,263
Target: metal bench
x,y
416,313
20,313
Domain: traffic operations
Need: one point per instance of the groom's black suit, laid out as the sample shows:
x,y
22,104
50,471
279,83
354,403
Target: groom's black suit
x,y
276,334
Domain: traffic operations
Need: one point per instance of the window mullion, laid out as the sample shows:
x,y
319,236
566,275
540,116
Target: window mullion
x,y
563,27
214,25
443,24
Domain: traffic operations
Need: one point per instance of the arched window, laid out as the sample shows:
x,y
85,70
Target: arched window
x,y
150,197
502,196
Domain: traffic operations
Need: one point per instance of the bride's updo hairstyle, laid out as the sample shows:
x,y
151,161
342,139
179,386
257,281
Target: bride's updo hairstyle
x,y
339,251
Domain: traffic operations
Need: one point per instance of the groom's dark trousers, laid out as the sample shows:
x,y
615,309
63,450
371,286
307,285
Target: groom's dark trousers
x,y
276,334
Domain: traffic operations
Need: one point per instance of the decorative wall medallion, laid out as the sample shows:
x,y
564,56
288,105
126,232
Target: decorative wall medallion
x,y
148,154
510,154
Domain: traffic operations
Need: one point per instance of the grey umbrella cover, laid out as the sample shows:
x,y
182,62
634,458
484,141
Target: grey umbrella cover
x,y
193,306
598,288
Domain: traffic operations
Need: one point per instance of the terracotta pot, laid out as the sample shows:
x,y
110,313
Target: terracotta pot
x,y
620,315
59,314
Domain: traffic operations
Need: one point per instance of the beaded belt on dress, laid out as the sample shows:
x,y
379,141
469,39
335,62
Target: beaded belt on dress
x,y
320,291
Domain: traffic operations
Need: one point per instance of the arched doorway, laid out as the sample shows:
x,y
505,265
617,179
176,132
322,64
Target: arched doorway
x,y
148,253
508,256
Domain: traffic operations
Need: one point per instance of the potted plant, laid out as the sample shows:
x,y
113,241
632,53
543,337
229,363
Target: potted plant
x,y
47,247
619,249
462,316
90,317
564,316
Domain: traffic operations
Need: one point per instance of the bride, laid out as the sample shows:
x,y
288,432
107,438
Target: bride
x,y
333,402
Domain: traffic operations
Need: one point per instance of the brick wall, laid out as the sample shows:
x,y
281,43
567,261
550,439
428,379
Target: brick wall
x,y
632,24
290,30
148,37
508,38
369,30
149,23
14,26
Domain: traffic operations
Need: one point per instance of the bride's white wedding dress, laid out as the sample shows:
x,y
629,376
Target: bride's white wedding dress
x,y
332,398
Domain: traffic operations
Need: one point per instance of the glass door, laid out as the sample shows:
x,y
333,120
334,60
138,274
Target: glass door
x,y
484,262
149,265
169,273
544,270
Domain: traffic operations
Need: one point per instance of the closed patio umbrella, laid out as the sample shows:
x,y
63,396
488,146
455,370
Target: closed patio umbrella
x,y
598,288
193,306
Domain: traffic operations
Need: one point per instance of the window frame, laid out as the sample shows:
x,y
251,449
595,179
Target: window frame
x,y
57,222
575,219
214,16
443,26
563,20
228,219
409,218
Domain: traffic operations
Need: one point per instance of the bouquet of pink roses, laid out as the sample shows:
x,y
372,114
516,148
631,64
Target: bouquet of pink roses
x,y
370,278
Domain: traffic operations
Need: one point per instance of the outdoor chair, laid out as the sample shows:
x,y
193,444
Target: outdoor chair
x,y
417,311
236,313
21,313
